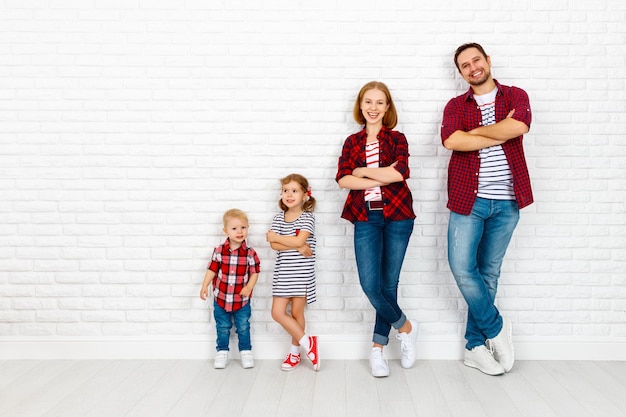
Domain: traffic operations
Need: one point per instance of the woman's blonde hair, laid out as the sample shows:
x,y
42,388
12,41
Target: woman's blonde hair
x,y
390,120
309,203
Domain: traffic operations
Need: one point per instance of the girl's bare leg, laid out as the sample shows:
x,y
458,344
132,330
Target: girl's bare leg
x,y
294,323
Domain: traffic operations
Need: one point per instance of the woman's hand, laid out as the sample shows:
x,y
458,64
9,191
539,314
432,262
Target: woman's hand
x,y
358,172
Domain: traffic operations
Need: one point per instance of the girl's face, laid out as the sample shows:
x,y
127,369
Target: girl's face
x,y
374,106
292,195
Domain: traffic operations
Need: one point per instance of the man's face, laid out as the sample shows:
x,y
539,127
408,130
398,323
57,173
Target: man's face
x,y
474,67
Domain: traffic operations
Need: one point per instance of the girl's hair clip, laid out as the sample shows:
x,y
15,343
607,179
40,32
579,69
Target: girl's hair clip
x,y
308,191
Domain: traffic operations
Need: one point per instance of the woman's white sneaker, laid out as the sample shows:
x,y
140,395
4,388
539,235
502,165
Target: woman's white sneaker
x,y
379,365
408,345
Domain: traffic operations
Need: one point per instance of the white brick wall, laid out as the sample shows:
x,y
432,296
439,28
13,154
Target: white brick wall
x,y
128,127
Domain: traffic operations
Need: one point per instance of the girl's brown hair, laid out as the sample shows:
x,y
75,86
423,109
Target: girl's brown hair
x,y
390,120
309,203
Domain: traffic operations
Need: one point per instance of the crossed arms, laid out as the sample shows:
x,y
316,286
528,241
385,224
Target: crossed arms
x,y
486,136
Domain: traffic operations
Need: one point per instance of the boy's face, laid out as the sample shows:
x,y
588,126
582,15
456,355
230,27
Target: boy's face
x,y
236,230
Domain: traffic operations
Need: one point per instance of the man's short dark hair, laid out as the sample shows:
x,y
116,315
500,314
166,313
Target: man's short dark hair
x,y
467,46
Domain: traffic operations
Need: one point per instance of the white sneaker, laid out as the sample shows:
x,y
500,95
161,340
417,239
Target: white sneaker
x,y
502,345
221,359
379,365
247,361
407,346
482,359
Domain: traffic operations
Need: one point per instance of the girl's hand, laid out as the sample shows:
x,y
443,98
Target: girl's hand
x,y
270,236
305,250
204,292
245,291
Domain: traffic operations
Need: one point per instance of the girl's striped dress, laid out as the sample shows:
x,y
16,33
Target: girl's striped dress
x,y
294,274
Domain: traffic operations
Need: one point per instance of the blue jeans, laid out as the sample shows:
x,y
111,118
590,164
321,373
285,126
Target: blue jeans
x,y
379,246
476,246
224,322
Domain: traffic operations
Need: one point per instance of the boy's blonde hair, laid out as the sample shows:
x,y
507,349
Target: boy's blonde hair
x,y
235,213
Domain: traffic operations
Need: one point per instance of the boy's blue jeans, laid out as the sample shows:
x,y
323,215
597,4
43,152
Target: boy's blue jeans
x,y
379,246
476,246
224,322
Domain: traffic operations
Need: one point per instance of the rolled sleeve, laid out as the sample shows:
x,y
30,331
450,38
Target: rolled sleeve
x,y
521,103
402,156
346,163
450,123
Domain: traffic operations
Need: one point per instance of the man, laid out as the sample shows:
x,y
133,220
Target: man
x,y
488,183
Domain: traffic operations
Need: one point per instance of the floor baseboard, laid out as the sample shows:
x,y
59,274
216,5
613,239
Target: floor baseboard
x,y
340,347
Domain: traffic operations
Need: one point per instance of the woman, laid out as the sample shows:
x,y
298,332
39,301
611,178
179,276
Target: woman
x,y
374,166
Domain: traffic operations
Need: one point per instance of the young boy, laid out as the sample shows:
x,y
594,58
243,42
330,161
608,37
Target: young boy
x,y
233,272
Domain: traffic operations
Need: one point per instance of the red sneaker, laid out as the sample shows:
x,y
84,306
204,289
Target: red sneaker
x,y
291,362
312,353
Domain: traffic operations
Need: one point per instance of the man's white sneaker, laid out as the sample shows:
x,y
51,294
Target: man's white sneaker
x,y
379,365
502,345
221,359
482,359
408,345
247,361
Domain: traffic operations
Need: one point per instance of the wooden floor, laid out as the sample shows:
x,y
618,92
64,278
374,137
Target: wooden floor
x,y
187,388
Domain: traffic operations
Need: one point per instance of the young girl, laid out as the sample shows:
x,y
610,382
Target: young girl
x,y
293,235
374,166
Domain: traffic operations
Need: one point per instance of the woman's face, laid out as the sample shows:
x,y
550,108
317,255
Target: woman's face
x,y
374,106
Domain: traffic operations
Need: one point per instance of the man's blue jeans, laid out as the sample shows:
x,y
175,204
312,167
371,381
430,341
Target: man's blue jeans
x,y
379,246
476,246
224,322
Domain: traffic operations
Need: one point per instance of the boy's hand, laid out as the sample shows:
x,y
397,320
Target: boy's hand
x,y
204,292
245,291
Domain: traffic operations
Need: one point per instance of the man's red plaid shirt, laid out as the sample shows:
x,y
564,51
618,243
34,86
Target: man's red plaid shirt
x,y
232,271
462,113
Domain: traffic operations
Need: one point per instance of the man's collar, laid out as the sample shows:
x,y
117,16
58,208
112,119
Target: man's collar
x,y
469,95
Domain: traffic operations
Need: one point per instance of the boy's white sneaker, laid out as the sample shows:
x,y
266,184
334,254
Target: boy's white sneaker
x,y
247,361
221,359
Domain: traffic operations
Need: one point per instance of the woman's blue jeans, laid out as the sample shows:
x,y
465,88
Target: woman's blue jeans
x,y
224,322
476,246
379,246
